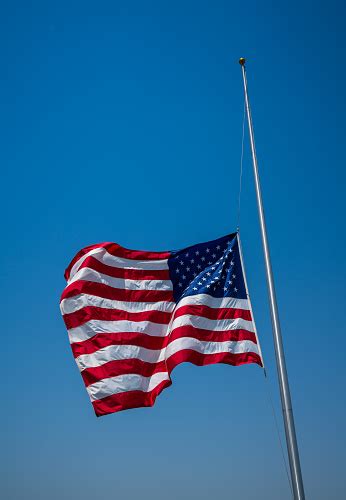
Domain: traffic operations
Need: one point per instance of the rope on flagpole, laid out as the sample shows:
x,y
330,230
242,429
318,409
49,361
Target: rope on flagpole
x,y
241,169
271,404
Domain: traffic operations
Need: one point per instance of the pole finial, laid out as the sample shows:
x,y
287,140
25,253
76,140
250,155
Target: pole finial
x,y
242,61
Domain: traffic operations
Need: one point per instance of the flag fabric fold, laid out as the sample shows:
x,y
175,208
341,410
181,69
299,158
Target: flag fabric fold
x,y
133,316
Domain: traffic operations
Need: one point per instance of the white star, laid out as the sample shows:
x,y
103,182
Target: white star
x,y
208,274
214,255
187,254
209,263
213,268
220,271
207,250
233,276
187,269
202,259
195,274
177,270
192,261
232,263
235,289
218,247
200,283
204,279
208,286
212,281
183,276
230,282
230,250
181,263
221,258
225,288
197,252
180,284
195,288
214,288
199,266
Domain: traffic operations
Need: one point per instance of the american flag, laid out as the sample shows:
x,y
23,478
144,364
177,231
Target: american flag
x,y
132,316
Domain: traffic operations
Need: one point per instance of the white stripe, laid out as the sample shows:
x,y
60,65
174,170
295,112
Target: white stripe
x,y
118,352
103,256
125,383
76,303
212,324
88,274
94,252
231,346
94,326
204,299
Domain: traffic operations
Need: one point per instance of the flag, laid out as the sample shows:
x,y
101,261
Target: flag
x,y
133,316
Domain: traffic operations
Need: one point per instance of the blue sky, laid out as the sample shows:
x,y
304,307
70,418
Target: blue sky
x,y
121,121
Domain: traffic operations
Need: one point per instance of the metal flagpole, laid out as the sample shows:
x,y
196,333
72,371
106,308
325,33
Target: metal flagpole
x,y
291,439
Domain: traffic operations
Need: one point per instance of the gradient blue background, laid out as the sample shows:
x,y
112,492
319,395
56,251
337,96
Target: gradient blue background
x,y
121,121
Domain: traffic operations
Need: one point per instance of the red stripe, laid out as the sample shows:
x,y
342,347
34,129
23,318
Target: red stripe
x,y
136,399
122,367
88,313
212,312
117,251
119,272
146,369
101,340
199,359
126,400
107,292
210,335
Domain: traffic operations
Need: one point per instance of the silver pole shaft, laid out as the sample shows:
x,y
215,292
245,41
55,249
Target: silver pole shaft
x,y
291,439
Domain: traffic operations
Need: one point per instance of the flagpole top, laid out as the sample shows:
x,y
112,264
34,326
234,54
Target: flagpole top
x,y
242,61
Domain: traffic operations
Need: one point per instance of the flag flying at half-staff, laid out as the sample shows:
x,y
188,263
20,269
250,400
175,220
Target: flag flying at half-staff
x,y
132,316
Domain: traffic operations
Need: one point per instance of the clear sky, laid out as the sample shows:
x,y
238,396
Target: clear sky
x,y
121,121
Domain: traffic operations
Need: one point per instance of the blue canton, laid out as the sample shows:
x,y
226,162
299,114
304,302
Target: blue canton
x,y
213,268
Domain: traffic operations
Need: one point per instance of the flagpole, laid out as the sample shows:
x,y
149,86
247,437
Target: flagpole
x,y
291,438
